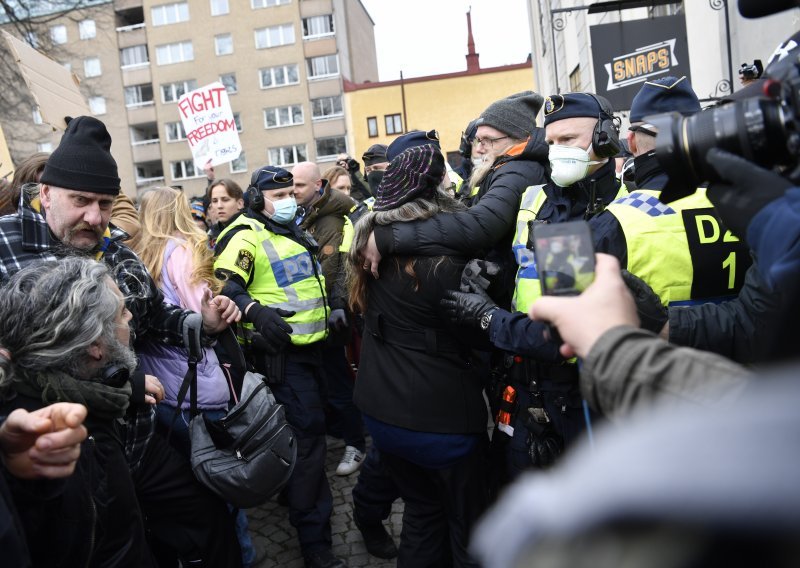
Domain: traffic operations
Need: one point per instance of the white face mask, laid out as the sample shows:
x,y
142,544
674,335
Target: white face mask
x,y
569,164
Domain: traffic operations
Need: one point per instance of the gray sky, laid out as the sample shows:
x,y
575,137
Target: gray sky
x,y
428,37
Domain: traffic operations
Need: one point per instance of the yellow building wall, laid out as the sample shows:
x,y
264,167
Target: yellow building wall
x,y
446,104
6,166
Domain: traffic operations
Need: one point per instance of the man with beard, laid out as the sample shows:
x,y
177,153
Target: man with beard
x,y
68,214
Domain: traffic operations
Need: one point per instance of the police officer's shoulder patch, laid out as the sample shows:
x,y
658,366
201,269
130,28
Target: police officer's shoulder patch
x,y
244,260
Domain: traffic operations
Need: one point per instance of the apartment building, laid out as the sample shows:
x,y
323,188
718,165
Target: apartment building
x,y
282,62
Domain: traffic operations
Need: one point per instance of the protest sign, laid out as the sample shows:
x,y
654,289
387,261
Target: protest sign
x,y
208,122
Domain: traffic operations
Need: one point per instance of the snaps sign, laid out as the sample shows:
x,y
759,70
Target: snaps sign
x,y
210,128
626,54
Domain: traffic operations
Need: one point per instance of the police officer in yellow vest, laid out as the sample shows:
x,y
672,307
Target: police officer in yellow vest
x,y
540,407
681,249
271,271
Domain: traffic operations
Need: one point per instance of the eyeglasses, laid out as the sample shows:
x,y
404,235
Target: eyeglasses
x,y
488,142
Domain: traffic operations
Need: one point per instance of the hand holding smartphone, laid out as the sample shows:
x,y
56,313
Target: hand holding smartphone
x,y
564,255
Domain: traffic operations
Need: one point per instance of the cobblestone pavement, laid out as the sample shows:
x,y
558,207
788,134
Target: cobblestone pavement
x,y
271,531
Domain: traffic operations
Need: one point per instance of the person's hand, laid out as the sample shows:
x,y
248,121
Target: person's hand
x,y
338,319
153,390
371,255
652,313
545,447
479,271
218,312
270,324
745,190
467,308
208,169
581,320
45,442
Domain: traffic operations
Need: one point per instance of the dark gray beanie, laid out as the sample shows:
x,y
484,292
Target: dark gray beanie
x,y
514,115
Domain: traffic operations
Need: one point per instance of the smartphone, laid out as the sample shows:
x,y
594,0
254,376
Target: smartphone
x,y
564,257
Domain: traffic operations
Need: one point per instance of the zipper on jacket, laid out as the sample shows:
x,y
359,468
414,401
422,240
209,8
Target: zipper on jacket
x,y
93,513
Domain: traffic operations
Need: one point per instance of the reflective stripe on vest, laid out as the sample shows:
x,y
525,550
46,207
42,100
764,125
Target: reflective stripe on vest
x,y
680,249
527,288
285,275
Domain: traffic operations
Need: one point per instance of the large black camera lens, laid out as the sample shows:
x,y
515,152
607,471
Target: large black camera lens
x,y
753,128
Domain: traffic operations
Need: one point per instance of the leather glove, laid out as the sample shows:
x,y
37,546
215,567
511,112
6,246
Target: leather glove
x,y
467,308
652,313
338,319
745,190
270,324
480,272
545,447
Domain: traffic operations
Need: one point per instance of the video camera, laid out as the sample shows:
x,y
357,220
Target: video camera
x,y
751,72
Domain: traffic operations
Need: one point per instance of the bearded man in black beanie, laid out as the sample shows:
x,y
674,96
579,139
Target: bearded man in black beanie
x,y
68,214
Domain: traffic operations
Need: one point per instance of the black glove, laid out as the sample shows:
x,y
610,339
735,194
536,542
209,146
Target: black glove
x,y
270,324
479,271
544,445
746,189
467,308
652,313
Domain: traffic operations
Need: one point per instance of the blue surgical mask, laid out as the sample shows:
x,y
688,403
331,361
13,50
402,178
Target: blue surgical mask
x,y
285,210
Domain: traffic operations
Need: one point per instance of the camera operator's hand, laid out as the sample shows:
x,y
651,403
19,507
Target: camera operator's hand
x,y
746,190
652,313
271,325
480,272
467,308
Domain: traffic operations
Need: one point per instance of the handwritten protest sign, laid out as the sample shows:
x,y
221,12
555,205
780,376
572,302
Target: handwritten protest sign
x,y
208,122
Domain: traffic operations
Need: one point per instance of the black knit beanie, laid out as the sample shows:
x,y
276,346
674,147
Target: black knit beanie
x,y
514,115
83,159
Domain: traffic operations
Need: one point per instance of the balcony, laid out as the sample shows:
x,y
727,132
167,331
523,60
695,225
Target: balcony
x,y
136,74
128,36
122,5
147,151
148,174
141,113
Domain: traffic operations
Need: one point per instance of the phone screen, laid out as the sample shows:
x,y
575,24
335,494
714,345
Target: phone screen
x,y
564,257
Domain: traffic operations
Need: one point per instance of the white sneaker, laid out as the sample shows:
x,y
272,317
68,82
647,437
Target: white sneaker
x,y
351,461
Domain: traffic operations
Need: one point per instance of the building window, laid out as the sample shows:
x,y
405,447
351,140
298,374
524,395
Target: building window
x,y
237,120
170,13
330,147
318,26
323,66
256,4
219,7
175,131
575,79
274,36
91,67
223,44
37,116
87,29
183,169
283,116
229,80
372,126
393,124
58,34
134,55
171,92
97,105
239,165
44,147
326,107
287,155
174,53
279,76
139,95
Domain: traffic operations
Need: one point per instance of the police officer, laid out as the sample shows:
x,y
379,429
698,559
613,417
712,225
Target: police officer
x,y
536,393
681,249
271,271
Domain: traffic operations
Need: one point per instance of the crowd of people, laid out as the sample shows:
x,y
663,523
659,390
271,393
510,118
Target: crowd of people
x,y
401,305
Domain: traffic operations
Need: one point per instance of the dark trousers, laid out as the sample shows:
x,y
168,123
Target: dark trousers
x,y
442,507
375,490
339,383
308,492
180,513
